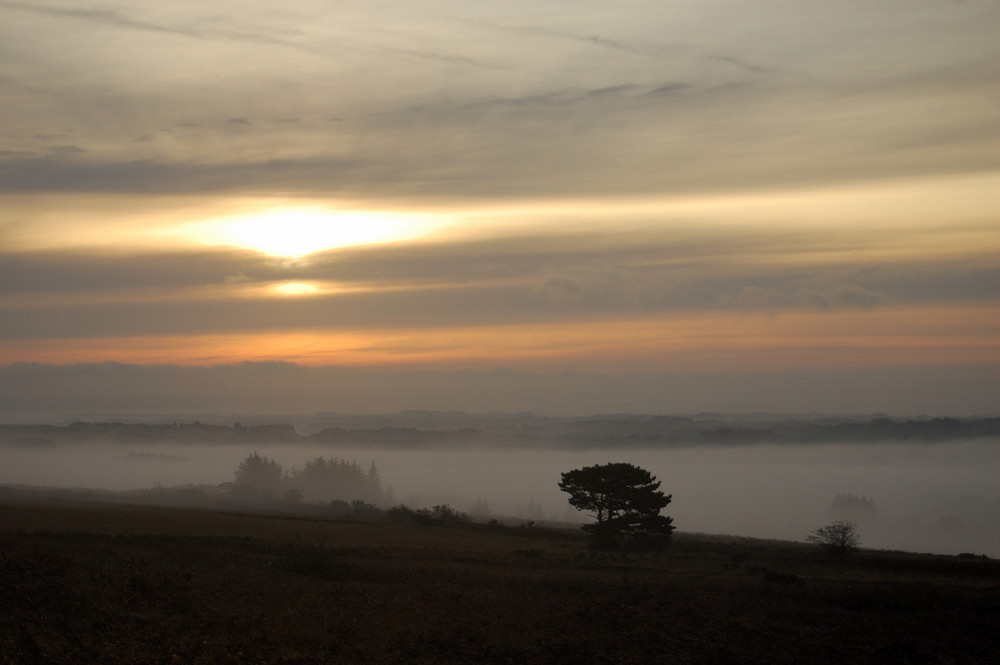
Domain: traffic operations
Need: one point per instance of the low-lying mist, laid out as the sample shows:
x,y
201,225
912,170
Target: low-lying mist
x,y
935,497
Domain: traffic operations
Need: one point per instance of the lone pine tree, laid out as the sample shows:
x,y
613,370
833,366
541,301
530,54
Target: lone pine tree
x,y
624,499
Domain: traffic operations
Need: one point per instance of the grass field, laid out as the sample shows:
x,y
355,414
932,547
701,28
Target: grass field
x,y
101,583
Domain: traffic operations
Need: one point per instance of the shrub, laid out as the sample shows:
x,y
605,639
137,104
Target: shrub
x,y
840,537
442,515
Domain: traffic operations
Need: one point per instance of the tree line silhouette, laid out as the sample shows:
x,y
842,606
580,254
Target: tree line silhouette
x,y
320,480
625,430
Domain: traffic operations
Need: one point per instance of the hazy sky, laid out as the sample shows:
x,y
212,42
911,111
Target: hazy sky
x,y
803,192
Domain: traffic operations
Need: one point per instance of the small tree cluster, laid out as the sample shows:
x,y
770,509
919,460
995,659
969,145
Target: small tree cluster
x,y
259,473
853,508
320,480
442,515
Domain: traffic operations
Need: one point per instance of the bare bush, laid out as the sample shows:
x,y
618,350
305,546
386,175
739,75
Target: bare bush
x,y
840,537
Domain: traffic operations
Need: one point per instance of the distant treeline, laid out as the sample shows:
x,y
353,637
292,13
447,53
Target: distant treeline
x,y
138,433
673,430
319,480
433,430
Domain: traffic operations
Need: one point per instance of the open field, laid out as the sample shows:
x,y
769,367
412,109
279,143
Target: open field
x,y
101,583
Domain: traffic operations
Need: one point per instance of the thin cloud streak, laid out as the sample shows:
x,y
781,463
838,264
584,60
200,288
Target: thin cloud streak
x,y
707,342
192,28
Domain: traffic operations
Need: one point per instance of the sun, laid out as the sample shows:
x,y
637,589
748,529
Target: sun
x,y
294,232
296,289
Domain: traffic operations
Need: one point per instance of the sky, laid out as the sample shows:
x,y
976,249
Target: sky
x,y
562,207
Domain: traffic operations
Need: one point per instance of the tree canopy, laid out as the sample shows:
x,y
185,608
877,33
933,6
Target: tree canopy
x,y
623,498
259,472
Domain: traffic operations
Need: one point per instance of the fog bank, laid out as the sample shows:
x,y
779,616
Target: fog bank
x,y
936,497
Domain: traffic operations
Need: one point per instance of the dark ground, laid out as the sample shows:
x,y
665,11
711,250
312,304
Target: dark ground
x,y
102,583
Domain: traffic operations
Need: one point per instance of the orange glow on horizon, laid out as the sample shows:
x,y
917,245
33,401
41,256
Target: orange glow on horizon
x,y
714,342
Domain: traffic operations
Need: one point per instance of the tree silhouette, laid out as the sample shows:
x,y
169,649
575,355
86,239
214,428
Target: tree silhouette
x,y
624,499
322,479
840,537
259,473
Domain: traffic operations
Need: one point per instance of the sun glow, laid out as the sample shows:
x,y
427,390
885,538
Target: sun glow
x,y
297,231
296,289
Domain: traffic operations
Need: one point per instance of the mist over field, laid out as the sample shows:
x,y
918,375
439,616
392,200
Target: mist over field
x,y
934,496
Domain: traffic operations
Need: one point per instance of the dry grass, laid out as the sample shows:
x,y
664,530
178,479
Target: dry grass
x,y
94,583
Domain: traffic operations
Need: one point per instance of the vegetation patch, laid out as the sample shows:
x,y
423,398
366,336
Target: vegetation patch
x,y
118,584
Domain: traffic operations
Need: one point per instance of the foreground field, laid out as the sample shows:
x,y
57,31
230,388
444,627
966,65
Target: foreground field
x,y
99,583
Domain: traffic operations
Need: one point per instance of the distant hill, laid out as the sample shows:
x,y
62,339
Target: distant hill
x,y
413,429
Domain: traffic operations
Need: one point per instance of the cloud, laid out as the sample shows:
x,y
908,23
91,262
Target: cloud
x,y
600,170
442,105
107,17
554,142
587,39
199,28
67,150
77,273
535,278
45,393
740,63
446,58
237,279
669,89
59,174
